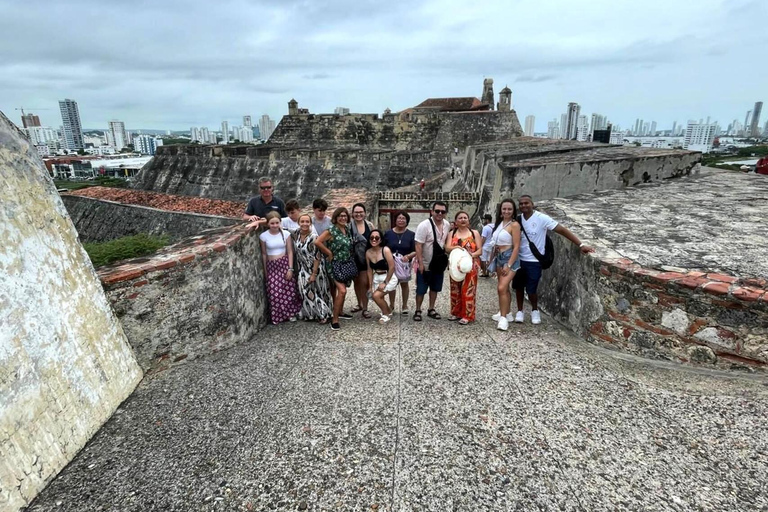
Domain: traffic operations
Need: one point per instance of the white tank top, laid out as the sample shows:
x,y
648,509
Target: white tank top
x,y
501,236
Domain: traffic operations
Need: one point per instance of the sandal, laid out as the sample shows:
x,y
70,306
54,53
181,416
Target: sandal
x,y
366,314
417,315
356,309
404,312
431,313
453,318
463,321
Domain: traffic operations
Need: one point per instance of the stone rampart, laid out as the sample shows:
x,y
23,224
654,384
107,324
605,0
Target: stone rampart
x,y
65,363
97,220
197,297
669,279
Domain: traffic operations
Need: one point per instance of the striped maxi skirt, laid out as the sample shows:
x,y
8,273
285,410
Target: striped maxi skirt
x,y
284,300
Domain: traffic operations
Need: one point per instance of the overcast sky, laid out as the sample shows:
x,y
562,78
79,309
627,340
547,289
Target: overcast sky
x,y
175,64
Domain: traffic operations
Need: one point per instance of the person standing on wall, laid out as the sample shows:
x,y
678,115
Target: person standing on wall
x,y
361,231
464,293
485,258
505,241
431,236
336,243
259,206
534,226
277,255
402,242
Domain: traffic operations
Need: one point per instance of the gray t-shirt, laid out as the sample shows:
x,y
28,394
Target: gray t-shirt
x,y
321,225
424,235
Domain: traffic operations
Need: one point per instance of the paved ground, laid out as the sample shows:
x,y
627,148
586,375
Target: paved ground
x,y
430,416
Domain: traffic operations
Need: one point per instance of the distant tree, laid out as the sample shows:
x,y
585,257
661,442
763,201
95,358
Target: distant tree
x,y
81,152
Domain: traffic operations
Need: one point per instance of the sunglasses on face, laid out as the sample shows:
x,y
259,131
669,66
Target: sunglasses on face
x,y
375,239
441,212
265,188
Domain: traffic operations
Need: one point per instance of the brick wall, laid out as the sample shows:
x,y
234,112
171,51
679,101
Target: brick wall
x,y
200,296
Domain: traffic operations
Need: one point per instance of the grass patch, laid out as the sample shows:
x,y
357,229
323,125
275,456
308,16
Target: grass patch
x,y
104,253
101,181
72,185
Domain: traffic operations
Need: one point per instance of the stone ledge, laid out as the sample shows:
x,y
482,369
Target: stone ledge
x,y
183,253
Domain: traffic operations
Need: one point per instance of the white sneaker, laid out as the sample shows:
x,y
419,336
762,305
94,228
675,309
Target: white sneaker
x,y
519,317
535,317
384,319
503,324
497,317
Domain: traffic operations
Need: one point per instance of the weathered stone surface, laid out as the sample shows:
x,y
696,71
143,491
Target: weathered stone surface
x,y
677,320
65,364
202,295
97,220
426,416
701,354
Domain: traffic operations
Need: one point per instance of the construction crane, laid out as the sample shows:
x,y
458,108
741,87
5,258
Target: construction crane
x,y
22,109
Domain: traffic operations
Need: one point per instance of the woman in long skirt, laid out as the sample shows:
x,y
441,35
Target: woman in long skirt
x,y
463,294
312,278
277,255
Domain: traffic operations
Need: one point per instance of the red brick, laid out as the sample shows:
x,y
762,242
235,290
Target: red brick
x,y
716,288
219,247
696,274
668,300
696,325
757,283
627,332
165,265
138,284
730,304
670,276
121,276
654,286
596,327
726,334
722,278
747,294
653,328
618,316
186,258
604,337
604,270
647,272
132,296
692,282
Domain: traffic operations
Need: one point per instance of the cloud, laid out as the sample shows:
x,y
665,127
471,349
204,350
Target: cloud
x,y
535,78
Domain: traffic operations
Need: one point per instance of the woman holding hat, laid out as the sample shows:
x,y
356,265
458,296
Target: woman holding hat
x,y
463,292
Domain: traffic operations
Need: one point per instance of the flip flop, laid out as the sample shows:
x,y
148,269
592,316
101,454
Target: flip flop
x,y
463,321
366,314
355,309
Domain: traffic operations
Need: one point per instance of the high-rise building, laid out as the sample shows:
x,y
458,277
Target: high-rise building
x,y
247,121
342,111
41,135
266,127
30,120
747,119
530,124
553,129
765,129
582,129
225,132
118,135
146,144
572,120
674,128
652,133
561,128
204,135
754,127
72,130
699,136
598,122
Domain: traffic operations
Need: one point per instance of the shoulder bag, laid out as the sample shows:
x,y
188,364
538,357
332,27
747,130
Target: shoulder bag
x,y
548,258
439,257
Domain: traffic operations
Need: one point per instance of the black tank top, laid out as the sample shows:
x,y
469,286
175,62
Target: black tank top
x,y
380,265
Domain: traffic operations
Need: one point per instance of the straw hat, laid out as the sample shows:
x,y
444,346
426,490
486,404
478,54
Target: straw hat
x,y
459,264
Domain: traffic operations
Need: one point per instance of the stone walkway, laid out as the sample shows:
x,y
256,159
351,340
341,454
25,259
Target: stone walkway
x,y
430,416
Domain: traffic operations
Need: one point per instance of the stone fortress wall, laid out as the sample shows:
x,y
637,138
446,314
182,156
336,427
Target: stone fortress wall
x,y
65,362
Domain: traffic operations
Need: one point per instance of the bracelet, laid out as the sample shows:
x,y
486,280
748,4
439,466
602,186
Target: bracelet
x,y
581,245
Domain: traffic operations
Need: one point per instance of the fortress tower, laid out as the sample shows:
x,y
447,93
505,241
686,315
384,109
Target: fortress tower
x,y
487,96
293,107
505,100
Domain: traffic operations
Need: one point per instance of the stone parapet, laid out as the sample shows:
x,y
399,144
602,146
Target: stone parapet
x,y
194,298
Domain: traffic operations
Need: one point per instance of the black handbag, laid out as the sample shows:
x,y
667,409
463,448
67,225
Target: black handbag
x,y
439,257
548,258
344,271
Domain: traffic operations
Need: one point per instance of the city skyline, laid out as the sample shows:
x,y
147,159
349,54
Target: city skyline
x,y
655,61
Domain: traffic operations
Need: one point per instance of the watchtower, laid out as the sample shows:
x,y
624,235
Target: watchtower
x,y
505,100
487,96
293,107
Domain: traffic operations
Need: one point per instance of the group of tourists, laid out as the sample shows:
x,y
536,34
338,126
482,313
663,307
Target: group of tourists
x,y
311,260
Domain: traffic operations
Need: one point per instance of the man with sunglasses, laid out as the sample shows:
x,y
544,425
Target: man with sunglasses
x,y
427,279
259,206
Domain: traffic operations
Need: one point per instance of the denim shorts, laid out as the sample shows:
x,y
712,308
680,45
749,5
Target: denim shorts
x,y
501,259
427,280
532,271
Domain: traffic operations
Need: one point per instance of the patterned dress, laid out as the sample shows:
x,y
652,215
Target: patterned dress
x,y
284,300
463,294
340,246
315,298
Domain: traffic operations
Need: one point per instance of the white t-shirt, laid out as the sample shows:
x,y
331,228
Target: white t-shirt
x,y
275,243
292,226
425,236
486,234
536,228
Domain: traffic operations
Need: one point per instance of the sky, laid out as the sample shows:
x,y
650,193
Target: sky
x,y
175,64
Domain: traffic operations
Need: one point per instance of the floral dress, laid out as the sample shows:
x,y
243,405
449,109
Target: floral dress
x,y
340,246
315,297
463,294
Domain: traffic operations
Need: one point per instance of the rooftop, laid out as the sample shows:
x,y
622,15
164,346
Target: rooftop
x,y
166,202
